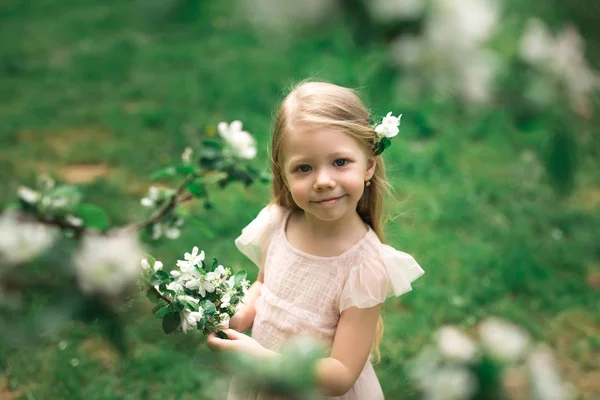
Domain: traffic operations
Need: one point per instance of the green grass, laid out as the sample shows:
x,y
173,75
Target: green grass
x,y
86,83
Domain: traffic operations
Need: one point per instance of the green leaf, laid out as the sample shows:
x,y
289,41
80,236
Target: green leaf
x,y
197,188
160,277
239,277
93,216
193,306
171,322
211,143
185,170
214,265
386,142
222,335
208,307
163,173
152,295
151,260
163,311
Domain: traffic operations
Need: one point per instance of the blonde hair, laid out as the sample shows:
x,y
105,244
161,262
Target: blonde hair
x,y
321,104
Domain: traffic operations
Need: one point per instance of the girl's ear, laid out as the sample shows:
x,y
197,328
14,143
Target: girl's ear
x,y
371,164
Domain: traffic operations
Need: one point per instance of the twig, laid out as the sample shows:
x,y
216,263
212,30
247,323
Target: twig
x,y
177,198
159,294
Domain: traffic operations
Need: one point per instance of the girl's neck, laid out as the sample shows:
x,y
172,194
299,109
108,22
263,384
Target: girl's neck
x,y
328,229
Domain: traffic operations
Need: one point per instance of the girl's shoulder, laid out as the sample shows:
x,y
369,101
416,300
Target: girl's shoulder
x,y
257,233
383,273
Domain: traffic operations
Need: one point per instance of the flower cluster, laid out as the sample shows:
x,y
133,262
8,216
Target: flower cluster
x,y
108,265
194,296
21,241
561,60
460,368
241,143
170,224
58,203
387,129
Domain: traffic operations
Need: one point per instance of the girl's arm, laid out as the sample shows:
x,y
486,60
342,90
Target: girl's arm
x,y
352,344
243,319
335,375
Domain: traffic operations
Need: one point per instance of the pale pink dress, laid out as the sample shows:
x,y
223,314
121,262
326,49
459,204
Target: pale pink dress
x,y
305,294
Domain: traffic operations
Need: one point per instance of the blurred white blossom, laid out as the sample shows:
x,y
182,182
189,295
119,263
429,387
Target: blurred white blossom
x,y
107,265
564,58
21,241
478,76
503,340
283,16
241,142
537,42
395,10
451,383
455,345
455,26
28,195
545,379
450,56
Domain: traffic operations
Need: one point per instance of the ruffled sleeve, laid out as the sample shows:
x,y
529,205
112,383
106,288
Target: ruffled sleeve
x,y
255,236
371,283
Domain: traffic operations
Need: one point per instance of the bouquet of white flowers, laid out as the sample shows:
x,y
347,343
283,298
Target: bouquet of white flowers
x,y
194,296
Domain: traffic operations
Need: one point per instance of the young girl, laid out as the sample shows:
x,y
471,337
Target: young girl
x,y
324,270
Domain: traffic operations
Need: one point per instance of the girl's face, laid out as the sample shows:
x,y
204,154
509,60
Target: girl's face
x,y
325,171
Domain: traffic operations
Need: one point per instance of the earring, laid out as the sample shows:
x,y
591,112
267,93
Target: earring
x,y
368,183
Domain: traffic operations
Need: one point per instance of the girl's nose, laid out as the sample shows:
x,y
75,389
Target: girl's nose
x,y
323,181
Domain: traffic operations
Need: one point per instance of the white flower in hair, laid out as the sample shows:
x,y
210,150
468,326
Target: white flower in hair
x,y
389,126
241,142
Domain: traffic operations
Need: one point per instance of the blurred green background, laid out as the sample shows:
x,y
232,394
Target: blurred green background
x,y
498,202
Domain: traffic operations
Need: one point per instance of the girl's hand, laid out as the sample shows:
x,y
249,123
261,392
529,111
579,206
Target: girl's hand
x,y
238,342
240,321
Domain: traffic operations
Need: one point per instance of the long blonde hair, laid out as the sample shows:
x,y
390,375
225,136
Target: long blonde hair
x,y
320,104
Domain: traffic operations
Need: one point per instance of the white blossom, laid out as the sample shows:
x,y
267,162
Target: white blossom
x,y
28,195
455,345
503,340
451,383
389,126
190,260
175,286
240,141
158,265
21,241
283,16
147,202
188,298
190,319
545,380
224,321
537,43
220,272
108,264
408,50
395,10
157,231
478,76
186,156
73,220
461,25
225,300
173,233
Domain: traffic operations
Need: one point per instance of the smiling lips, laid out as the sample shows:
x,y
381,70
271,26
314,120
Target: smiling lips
x,y
326,202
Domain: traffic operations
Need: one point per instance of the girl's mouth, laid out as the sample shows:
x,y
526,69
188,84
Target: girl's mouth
x,y
329,201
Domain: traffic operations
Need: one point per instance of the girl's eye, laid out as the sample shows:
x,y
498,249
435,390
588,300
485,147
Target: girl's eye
x,y
303,168
340,162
